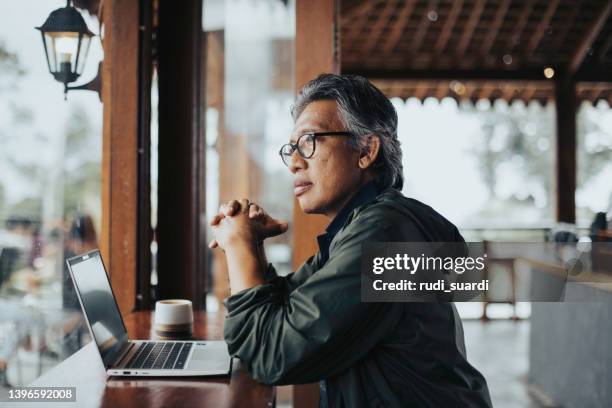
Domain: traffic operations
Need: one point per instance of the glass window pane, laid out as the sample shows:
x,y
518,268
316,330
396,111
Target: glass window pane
x,y
50,43
249,91
594,162
480,165
85,42
50,196
66,47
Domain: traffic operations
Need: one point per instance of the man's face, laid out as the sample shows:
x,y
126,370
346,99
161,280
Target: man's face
x,y
324,182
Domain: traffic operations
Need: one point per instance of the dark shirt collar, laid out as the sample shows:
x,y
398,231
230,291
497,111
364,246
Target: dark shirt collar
x,y
366,194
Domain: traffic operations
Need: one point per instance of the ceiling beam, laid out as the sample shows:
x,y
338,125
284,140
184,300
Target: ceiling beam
x,y
605,48
468,93
529,92
470,26
421,91
486,90
356,11
378,27
542,26
449,24
355,26
442,90
398,28
423,24
560,34
527,74
587,40
597,90
514,39
599,74
500,15
507,90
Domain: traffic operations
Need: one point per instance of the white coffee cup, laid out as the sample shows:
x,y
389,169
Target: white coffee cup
x,y
173,318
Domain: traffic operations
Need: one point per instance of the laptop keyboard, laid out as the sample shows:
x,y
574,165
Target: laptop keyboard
x,y
160,355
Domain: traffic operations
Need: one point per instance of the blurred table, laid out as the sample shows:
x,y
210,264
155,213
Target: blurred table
x,y
84,370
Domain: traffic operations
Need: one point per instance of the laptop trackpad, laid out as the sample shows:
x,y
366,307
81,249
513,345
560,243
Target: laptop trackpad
x,y
210,356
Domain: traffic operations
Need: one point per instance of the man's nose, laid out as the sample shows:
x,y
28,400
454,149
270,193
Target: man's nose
x,y
297,162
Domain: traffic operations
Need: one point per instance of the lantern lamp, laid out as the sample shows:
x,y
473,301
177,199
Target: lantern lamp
x,y
66,41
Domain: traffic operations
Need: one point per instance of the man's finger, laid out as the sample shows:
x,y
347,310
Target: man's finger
x,y
282,227
276,228
230,208
244,205
254,211
216,219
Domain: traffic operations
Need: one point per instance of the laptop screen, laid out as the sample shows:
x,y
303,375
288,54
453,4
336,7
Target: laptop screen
x,y
99,305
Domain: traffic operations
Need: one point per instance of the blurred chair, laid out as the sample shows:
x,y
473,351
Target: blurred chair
x,y
507,264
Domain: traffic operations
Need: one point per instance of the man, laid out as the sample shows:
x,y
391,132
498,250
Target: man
x,y
311,325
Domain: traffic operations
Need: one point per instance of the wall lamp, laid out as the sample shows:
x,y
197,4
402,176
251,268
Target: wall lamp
x,y
66,40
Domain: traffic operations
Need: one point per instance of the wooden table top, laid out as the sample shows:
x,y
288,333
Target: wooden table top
x,y
84,370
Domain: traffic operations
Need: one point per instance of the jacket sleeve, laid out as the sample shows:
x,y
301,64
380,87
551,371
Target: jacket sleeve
x,y
319,328
294,279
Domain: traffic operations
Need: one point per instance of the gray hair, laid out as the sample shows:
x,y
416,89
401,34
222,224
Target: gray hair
x,y
365,111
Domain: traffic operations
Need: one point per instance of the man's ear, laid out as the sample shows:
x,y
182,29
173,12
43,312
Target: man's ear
x,y
369,153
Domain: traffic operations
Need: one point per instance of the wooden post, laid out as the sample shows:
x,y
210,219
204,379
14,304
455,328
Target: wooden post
x,y
181,236
145,230
118,242
215,98
565,101
316,52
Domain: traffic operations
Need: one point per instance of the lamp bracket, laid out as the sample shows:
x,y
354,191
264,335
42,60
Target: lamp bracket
x,y
93,85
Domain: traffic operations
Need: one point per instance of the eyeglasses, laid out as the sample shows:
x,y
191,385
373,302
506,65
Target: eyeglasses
x,y
305,145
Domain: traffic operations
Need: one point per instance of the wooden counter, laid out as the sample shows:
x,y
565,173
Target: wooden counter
x,y
84,370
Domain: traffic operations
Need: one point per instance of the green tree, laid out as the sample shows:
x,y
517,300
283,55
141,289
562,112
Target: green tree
x,y
81,173
524,139
521,137
29,207
10,67
73,180
596,153
11,72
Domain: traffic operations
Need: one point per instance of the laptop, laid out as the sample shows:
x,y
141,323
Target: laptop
x,y
124,357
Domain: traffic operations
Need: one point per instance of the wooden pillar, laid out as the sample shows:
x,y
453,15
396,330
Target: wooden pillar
x,y
215,98
316,52
565,101
118,240
181,236
144,296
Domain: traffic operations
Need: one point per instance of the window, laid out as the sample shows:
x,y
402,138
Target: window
x,y
249,91
50,184
594,161
480,165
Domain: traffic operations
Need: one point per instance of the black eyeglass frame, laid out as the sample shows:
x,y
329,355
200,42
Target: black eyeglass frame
x,y
314,135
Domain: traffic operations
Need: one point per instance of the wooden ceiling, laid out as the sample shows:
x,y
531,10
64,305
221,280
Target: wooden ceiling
x,y
479,48
473,90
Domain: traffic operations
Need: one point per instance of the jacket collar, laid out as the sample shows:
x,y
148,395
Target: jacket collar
x,y
366,194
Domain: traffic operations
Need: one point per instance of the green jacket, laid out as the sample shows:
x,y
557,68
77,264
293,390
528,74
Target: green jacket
x,y
311,325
